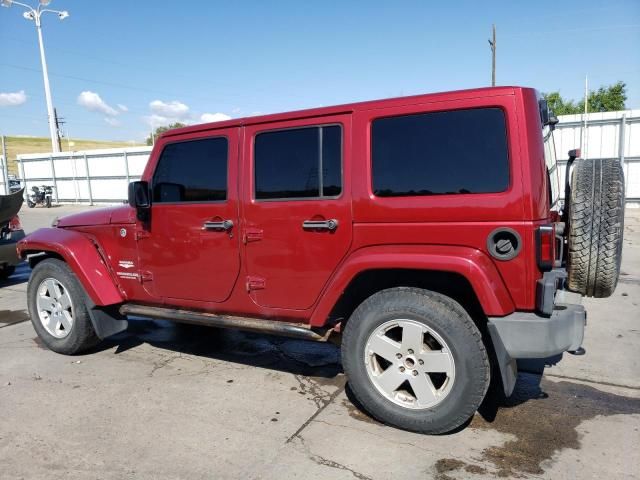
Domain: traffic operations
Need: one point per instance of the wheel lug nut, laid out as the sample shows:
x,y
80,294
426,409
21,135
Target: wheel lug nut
x,y
402,369
410,352
398,355
421,362
415,373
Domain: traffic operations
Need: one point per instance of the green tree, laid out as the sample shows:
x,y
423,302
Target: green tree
x,y
604,99
160,130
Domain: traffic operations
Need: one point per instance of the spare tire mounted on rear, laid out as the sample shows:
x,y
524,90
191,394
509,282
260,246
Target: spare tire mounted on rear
x,y
596,224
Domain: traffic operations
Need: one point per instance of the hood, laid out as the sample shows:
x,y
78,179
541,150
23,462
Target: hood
x,y
100,216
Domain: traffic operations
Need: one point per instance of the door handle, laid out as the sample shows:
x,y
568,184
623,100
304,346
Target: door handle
x,y
225,225
330,224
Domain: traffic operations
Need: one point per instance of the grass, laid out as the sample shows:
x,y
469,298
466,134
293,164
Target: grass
x,y
19,145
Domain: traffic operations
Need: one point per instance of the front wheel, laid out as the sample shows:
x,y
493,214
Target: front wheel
x,y
30,204
415,360
47,202
57,307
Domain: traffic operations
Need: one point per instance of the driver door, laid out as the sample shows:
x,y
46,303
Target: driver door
x,y
189,249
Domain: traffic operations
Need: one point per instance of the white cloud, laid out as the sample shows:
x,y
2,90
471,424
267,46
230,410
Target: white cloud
x,y
112,121
165,113
12,99
173,109
214,117
123,108
92,101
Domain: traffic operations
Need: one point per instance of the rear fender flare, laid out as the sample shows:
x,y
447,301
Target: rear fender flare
x,y
82,256
471,263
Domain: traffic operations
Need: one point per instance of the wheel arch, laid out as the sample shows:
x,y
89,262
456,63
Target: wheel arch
x,y
462,273
81,255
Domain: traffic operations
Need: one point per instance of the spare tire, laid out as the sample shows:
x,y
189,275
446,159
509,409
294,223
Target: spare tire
x,y
596,224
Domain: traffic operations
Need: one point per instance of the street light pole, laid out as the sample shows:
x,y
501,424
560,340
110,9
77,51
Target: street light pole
x,y
47,90
35,14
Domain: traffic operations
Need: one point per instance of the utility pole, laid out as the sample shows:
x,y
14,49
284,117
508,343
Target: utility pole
x,y
59,123
492,43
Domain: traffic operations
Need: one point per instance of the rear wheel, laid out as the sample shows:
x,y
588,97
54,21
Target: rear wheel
x,y
415,360
57,307
48,202
596,225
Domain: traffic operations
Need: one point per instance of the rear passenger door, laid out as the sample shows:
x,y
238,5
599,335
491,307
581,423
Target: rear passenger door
x,y
296,208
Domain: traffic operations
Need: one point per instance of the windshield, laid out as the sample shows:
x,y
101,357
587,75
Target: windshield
x,y
552,167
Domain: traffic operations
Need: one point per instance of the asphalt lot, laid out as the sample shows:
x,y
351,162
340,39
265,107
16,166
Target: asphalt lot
x,y
165,401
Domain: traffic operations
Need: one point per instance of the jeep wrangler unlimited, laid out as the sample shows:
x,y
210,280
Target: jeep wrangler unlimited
x,y
426,230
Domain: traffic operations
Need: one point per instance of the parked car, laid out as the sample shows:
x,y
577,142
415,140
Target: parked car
x,y
14,185
10,232
425,230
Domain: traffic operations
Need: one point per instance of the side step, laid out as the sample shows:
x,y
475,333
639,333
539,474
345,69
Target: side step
x,y
286,329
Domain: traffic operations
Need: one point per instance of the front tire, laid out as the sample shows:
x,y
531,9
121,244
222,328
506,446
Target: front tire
x,y
48,202
415,360
57,307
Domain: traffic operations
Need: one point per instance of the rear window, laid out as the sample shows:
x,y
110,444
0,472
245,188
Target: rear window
x,y
454,152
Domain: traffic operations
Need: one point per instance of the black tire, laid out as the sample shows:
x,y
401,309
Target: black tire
x,y
47,202
6,271
596,226
448,319
30,204
82,336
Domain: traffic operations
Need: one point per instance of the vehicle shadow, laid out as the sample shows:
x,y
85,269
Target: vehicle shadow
x,y
298,357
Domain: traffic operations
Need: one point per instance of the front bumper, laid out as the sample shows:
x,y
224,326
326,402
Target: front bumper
x,y
530,335
8,253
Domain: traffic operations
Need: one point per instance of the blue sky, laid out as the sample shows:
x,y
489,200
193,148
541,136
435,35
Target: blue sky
x,y
117,67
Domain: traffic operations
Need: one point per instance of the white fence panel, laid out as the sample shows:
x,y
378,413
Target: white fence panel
x,y
91,176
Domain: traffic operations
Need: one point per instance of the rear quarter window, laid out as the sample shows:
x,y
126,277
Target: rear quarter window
x,y
439,153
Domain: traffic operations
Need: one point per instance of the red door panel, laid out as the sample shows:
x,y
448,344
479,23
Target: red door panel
x,y
288,262
182,255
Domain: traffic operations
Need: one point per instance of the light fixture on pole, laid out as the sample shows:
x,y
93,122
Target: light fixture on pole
x,y
34,14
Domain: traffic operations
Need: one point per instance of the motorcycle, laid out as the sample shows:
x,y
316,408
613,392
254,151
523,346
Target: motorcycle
x,y
41,195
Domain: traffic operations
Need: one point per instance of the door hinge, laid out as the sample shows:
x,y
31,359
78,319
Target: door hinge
x,y
252,235
142,234
255,283
145,276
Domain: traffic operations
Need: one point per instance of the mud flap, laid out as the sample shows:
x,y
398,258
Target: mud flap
x,y
105,322
508,365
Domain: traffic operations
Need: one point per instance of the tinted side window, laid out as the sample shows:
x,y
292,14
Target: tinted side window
x,y
287,163
459,151
192,171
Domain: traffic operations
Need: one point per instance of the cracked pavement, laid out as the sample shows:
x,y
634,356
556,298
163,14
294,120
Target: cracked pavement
x,y
177,401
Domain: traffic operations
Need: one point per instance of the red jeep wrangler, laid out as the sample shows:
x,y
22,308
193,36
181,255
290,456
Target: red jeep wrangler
x,y
424,229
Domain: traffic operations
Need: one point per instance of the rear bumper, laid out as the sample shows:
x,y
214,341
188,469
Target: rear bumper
x,y
529,335
8,252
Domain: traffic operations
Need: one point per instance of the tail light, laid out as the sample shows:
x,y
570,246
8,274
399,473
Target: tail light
x,y
14,224
546,247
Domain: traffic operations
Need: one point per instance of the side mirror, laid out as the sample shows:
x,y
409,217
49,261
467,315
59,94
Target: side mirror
x,y
139,199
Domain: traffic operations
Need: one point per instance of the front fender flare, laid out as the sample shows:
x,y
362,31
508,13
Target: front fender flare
x,y
471,263
82,256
